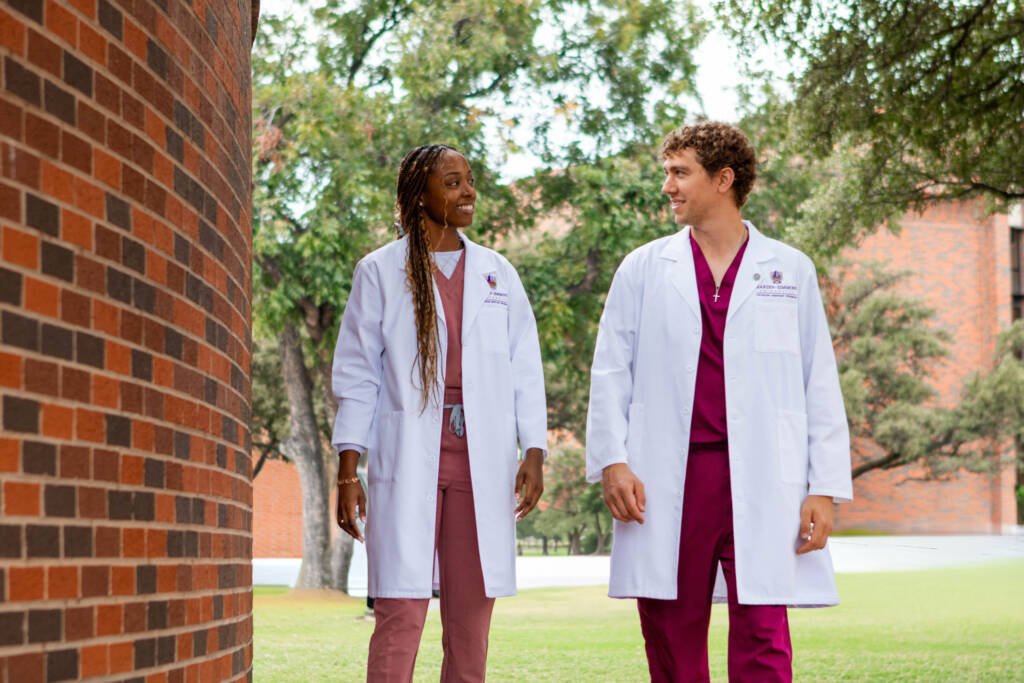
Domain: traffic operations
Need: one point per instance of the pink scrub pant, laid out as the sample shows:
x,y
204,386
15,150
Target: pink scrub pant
x,y
676,631
465,609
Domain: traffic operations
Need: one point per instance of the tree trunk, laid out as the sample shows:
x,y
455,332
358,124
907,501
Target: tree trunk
x,y
341,561
544,541
599,550
302,446
319,321
574,542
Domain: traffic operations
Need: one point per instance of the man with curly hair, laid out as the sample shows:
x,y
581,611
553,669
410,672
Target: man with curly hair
x,y
716,424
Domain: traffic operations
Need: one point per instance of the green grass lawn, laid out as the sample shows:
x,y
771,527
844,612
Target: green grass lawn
x,y
964,624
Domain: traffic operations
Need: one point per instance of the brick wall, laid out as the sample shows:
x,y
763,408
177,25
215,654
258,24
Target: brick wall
x,y
277,511
960,262
125,537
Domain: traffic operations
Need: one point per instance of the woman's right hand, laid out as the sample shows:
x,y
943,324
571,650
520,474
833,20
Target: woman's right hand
x,y
351,502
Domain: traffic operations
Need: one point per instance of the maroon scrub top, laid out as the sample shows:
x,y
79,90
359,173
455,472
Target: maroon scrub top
x,y
708,429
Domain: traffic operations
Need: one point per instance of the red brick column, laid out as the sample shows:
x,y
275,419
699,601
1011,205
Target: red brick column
x,y
125,244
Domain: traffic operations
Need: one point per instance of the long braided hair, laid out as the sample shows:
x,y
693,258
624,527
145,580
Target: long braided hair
x,y
419,267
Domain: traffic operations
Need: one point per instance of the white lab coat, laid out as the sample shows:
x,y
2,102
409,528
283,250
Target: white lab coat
x,y
788,435
379,407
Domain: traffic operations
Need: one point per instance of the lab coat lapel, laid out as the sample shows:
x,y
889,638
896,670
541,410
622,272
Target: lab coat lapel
x,y
682,273
758,251
438,306
479,264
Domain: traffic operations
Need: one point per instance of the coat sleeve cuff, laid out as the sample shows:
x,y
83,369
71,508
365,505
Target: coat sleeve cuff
x,y
837,495
541,447
595,470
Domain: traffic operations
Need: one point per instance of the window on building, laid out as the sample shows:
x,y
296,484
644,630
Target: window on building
x,y
1017,272
1017,294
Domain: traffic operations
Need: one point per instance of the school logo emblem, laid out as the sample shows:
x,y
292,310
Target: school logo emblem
x,y
492,282
776,277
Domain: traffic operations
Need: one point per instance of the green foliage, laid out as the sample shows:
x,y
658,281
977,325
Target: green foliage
x,y
269,406
887,348
991,410
897,104
337,106
574,509
605,210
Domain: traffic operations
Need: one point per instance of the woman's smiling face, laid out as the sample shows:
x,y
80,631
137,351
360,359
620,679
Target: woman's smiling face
x,y
450,196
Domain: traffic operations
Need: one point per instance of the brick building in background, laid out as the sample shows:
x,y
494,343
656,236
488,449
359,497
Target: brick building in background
x,y
967,267
125,264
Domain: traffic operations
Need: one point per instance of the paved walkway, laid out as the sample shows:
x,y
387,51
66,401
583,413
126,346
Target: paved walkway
x,y
850,554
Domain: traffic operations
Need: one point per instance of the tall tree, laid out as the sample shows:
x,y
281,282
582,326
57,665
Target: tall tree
x,y
606,209
905,102
338,102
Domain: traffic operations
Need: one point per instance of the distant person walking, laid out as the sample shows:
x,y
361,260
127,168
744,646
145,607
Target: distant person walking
x,y
438,374
716,423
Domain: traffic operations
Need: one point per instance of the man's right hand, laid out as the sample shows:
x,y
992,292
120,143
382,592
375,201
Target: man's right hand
x,y
623,493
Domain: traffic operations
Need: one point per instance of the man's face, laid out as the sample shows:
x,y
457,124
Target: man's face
x,y
691,191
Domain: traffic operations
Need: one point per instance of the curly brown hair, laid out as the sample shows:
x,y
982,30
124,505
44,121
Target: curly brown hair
x,y
419,268
717,146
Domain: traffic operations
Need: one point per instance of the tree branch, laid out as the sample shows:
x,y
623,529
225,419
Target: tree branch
x,y
887,461
593,271
398,12
259,464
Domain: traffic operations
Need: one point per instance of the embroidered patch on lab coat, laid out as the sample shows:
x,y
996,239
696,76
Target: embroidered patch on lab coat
x,y
497,298
492,281
775,287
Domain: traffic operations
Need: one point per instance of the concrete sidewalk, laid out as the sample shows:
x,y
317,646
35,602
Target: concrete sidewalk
x,y
850,554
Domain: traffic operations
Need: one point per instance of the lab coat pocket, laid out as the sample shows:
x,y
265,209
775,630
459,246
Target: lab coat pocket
x,y
635,433
493,321
390,431
776,327
792,447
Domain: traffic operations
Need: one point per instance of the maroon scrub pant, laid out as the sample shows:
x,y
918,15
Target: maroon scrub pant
x,y
676,631
465,608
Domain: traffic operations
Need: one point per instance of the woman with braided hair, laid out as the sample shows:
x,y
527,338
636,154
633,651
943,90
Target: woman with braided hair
x,y
438,377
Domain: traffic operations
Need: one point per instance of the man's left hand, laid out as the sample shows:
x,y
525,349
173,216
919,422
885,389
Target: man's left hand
x,y
529,482
815,523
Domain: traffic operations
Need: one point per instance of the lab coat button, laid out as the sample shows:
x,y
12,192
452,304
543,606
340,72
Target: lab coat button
x,y
689,368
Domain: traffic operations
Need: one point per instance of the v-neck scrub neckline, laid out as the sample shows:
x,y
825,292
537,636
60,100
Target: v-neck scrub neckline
x,y
447,261
708,426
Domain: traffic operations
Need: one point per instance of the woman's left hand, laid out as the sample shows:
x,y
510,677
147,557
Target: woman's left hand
x,y
529,482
